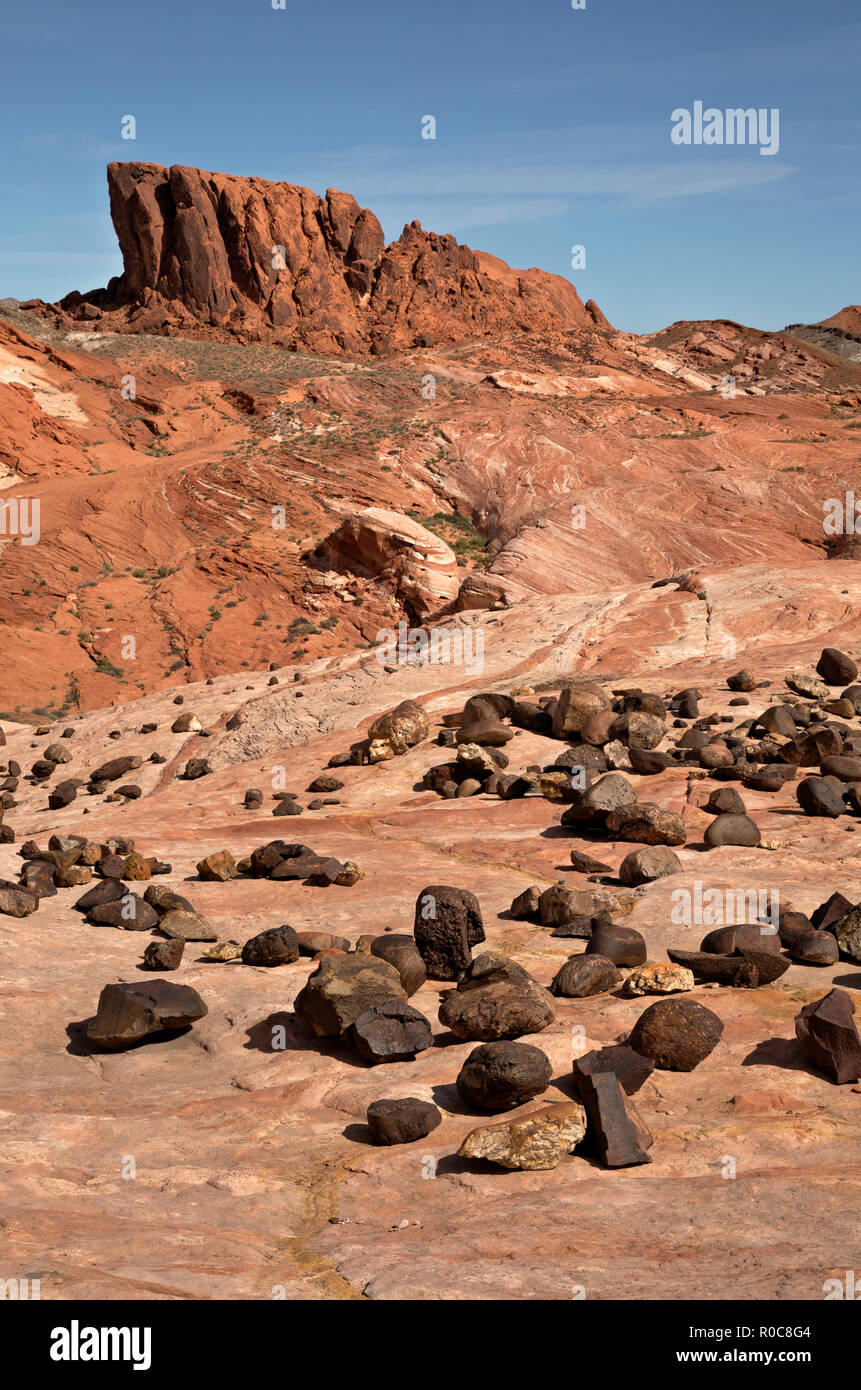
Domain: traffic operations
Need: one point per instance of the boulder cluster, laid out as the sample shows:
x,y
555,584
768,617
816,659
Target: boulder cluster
x,y
361,995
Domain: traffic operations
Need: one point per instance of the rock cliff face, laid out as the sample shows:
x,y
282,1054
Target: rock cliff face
x,y
215,255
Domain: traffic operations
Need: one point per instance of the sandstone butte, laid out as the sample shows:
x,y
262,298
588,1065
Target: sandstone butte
x,y
577,502
271,262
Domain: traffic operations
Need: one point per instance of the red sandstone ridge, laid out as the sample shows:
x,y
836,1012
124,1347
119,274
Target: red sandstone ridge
x,y
848,319
213,255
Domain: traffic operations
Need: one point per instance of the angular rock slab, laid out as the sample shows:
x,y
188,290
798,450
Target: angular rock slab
x,y
615,1129
827,1031
129,1012
631,1069
532,1142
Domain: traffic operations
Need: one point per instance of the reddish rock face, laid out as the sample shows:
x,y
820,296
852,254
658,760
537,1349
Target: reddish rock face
x,y
257,260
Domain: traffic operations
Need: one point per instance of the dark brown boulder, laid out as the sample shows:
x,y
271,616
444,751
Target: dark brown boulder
x,y
390,1032
403,953
128,912
501,1075
584,975
647,865
163,955
619,944
401,1121
677,1034
448,924
277,946
835,667
342,988
129,1012
731,830
496,998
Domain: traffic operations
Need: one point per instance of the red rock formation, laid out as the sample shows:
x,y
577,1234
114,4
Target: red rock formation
x,y
215,255
849,319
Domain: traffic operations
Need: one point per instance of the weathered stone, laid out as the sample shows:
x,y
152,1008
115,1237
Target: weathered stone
x,y
756,936
647,865
645,823
403,953
827,1031
615,1129
400,728
815,948
182,925
604,797
325,783
72,875
108,891
535,1141
136,868
725,801
585,975
311,943
16,901
496,999
558,905
834,666
845,767
658,978
277,946
526,905
847,930
742,680
630,1068
648,762
195,768
166,899
637,729
710,968
129,1012
622,945
731,830
186,723
218,867
501,1075
677,1034
390,1032
117,767
805,685
342,988
816,797
577,704
585,864
163,955
223,951
401,1121
826,914
448,924
129,912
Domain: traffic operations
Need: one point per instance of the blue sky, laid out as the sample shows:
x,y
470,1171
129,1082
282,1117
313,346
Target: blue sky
x,y
553,130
